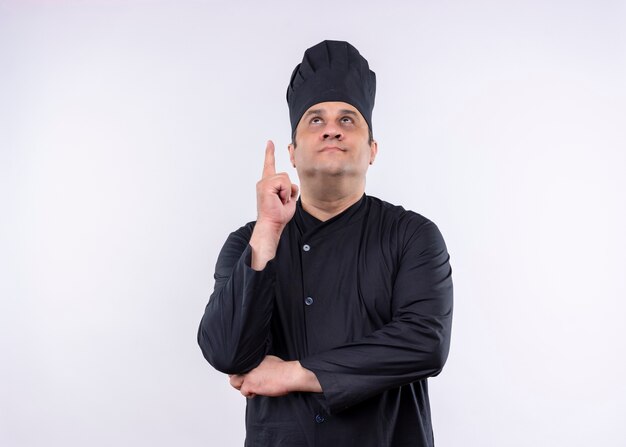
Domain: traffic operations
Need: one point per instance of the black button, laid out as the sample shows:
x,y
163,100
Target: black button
x,y
308,301
319,418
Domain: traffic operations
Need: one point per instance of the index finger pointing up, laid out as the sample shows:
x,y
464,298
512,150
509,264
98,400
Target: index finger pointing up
x,y
269,166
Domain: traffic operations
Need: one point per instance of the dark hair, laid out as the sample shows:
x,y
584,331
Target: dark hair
x,y
369,133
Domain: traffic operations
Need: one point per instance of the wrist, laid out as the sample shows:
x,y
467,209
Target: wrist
x,y
264,242
268,229
304,380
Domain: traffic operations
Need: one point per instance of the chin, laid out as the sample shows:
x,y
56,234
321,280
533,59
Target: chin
x,y
333,171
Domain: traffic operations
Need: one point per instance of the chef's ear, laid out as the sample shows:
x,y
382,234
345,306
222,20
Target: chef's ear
x,y
291,148
373,151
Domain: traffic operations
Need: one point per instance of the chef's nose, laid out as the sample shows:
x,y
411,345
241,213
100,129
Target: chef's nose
x,y
332,131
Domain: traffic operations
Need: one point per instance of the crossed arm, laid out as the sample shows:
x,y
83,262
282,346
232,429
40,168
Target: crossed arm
x,y
412,346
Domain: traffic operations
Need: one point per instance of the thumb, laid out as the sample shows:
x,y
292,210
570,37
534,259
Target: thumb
x,y
294,191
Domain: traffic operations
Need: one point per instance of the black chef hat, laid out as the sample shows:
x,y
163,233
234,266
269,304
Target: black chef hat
x,y
331,71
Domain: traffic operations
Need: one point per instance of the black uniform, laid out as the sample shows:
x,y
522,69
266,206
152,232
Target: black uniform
x,y
364,300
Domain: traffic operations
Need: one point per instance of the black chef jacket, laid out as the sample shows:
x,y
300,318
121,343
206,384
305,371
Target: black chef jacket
x,y
364,300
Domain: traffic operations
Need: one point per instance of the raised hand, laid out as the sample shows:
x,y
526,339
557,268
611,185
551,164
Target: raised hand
x,y
276,203
276,195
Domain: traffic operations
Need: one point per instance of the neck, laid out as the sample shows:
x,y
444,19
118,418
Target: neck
x,y
326,204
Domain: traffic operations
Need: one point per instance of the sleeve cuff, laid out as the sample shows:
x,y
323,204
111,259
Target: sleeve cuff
x,y
269,269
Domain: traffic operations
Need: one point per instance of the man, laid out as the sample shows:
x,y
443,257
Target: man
x,y
331,311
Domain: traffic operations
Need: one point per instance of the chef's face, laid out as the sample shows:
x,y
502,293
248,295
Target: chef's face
x,y
332,138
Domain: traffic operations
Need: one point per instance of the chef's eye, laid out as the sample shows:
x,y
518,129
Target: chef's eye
x,y
346,119
316,120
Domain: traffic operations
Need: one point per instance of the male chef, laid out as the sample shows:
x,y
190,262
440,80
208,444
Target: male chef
x,y
333,308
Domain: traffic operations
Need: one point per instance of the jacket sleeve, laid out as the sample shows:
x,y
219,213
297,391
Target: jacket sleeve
x,y
235,329
414,345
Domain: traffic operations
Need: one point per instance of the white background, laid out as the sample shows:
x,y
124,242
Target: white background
x,y
131,138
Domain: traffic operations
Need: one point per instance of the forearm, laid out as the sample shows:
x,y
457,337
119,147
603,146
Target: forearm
x,y
235,329
393,356
234,332
349,374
